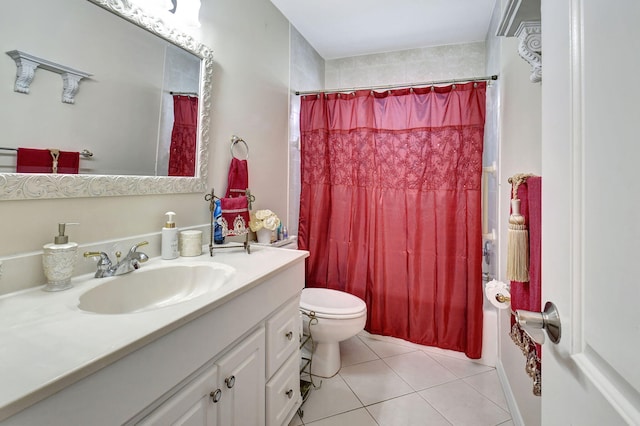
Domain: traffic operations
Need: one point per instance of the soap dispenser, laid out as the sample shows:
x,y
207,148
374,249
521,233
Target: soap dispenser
x,y
58,260
170,238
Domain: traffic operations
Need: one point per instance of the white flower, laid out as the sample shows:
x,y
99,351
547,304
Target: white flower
x,y
271,222
263,214
264,219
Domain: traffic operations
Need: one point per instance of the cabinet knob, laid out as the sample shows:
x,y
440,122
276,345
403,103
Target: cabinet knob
x,y
289,335
230,381
289,393
216,395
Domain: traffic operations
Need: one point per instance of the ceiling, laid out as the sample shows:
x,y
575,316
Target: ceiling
x,y
343,28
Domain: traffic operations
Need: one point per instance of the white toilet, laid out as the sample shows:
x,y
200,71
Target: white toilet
x,y
339,315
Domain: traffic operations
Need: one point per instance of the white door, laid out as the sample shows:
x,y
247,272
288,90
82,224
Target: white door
x,y
591,204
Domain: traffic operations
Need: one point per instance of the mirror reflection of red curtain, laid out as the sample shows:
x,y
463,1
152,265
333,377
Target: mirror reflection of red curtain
x,y
182,152
390,208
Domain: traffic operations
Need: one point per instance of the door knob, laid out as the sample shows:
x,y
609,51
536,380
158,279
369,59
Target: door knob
x,y
549,320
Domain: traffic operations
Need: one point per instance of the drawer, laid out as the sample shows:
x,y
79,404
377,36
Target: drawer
x,y
283,335
283,392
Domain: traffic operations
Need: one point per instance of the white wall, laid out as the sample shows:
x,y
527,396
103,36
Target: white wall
x,y
250,43
519,151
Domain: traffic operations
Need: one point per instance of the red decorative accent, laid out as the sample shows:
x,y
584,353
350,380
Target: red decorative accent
x,y
182,153
238,178
40,161
528,295
390,208
235,216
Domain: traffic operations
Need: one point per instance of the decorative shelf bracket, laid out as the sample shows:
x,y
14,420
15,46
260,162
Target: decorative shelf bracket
x,y
522,19
530,47
26,69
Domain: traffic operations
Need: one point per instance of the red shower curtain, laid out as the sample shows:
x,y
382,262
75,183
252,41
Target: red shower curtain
x,y
184,137
390,208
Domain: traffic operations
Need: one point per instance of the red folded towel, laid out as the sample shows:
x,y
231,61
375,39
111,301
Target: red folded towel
x,y
235,216
42,161
238,179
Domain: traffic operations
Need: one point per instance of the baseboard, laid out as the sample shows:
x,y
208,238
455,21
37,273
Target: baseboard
x,y
516,416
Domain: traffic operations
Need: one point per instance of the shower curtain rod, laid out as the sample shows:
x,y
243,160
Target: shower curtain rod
x,y
398,86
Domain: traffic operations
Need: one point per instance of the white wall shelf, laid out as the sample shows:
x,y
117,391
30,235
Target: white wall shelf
x,y
27,65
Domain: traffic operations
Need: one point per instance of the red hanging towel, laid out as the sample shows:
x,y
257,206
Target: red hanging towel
x,y
42,161
238,180
235,216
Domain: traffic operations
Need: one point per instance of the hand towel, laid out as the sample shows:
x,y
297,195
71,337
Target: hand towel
x,y
42,161
235,216
238,179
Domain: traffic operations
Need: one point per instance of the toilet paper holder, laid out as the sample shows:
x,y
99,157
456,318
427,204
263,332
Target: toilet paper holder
x,y
502,298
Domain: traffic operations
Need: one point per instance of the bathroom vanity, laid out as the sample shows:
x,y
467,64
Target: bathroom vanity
x,y
229,356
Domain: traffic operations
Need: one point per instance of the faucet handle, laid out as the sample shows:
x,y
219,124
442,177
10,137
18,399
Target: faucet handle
x,y
137,245
104,263
102,255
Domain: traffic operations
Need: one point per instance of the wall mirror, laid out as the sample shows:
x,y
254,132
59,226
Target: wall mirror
x,y
137,63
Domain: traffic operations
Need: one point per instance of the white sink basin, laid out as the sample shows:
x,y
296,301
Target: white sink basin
x,y
154,287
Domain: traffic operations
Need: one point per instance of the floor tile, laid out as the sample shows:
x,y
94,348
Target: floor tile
x,y
389,339
444,352
489,385
408,410
461,367
419,370
368,390
354,351
374,381
332,397
462,405
360,417
383,348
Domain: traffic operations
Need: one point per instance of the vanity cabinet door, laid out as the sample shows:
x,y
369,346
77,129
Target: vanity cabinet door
x,y
241,378
195,404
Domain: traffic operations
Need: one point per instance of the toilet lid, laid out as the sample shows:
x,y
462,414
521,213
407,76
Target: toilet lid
x,y
331,303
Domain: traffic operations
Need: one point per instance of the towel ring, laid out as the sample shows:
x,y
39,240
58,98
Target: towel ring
x,y
234,141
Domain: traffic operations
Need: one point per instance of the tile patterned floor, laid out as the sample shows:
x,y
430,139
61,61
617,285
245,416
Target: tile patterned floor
x,y
390,382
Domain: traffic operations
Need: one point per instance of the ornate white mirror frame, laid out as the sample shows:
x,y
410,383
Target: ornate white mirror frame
x,y
19,186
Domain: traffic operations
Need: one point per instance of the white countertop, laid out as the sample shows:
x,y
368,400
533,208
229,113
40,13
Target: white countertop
x,y
48,343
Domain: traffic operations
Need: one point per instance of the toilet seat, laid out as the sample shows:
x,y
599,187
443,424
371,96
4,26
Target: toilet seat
x,y
331,304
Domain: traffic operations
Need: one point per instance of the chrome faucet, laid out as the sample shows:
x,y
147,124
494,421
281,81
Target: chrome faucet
x,y
131,261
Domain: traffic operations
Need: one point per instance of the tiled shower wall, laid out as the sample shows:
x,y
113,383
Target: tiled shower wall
x,y
307,73
407,66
